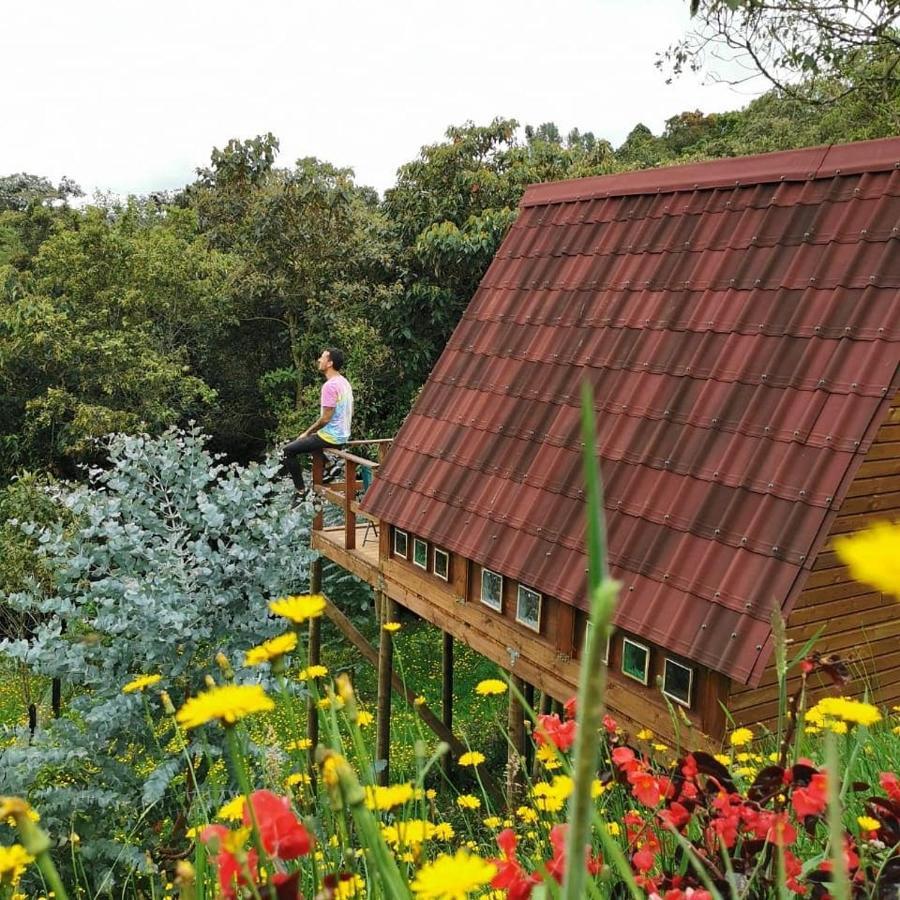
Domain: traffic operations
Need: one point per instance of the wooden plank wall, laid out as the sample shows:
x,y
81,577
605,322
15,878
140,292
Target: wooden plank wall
x,y
858,623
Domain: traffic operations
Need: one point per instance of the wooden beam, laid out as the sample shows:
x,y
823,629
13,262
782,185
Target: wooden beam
x,y
385,677
447,690
516,734
314,658
370,654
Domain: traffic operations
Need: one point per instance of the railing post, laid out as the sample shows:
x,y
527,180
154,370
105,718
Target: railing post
x,y
349,499
318,477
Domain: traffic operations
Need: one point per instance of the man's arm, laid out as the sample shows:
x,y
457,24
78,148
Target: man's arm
x,y
321,422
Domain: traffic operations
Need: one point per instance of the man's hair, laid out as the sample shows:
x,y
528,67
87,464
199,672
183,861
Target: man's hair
x,y
337,358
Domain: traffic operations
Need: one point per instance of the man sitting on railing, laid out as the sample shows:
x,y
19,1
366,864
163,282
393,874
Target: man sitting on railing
x,y
332,428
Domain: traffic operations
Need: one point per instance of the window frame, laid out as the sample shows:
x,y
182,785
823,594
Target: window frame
x,y
609,636
486,571
690,692
445,554
416,543
397,533
646,679
540,609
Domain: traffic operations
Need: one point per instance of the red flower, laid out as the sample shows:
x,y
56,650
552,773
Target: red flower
x,y
625,759
283,835
610,724
674,816
551,729
891,785
792,868
812,799
556,867
231,872
780,831
510,875
569,708
645,787
644,859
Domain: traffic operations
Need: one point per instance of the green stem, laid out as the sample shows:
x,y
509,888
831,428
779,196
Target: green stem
x,y
840,881
243,779
37,844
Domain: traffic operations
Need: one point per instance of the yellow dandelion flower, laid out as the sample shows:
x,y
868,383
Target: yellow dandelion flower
x,y
867,823
13,862
472,758
839,727
364,718
391,627
312,672
298,609
388,796
296,778
430,794
326,702
452,877
411,833
613,829
563,786
348,886
644,734
741,736
550,804
271,650
492,822
141,682
490,686
233,810
597,788
468,801
443,831
419,701
526,814
227,704
873,555
660,748
302,744
722,758
854,712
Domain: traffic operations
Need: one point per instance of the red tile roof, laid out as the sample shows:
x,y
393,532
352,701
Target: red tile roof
x,y
739,321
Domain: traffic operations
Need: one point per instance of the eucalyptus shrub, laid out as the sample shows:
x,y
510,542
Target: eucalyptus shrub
x,y
164,557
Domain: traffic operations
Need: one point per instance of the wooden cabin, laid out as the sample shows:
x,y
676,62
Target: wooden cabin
x,y
739,321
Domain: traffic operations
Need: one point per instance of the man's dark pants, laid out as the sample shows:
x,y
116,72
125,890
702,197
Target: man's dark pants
x,y
312,443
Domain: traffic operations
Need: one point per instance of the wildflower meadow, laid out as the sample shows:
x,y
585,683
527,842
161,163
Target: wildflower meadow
x,y
241,804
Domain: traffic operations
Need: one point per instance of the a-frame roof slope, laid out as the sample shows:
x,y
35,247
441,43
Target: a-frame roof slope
x,y
739,321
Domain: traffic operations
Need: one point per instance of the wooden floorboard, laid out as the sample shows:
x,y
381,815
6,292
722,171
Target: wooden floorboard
x,y
362,561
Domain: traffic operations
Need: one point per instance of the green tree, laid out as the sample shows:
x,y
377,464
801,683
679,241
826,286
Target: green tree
x,y
100,333
312,254
807,49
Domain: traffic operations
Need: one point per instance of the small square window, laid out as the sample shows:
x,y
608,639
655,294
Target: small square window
x,y
528,608
587,634
492,589
420,553
678,682
401,543
636,661
442,564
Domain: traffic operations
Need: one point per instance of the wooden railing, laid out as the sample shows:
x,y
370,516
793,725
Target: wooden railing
x,y
343,493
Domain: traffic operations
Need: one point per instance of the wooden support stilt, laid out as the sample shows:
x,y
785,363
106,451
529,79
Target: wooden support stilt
x,y
516,735
529,705
385,671
447,690
314,653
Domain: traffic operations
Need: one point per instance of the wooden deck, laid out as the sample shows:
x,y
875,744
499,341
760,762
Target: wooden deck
x,y
361,561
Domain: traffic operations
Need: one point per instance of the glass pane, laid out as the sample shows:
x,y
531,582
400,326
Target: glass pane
x,y
441,563
677,682
634,661
400,543
420,553
528,610
491,589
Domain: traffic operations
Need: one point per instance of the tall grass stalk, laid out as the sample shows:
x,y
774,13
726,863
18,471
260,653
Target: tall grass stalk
x,y
602,591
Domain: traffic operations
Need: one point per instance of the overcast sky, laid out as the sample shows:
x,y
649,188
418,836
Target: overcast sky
x,y
131,95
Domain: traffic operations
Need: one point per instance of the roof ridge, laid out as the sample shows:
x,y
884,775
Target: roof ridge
x,y
802,164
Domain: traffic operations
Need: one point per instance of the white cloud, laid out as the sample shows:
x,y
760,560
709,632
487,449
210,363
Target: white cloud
x,y
129,96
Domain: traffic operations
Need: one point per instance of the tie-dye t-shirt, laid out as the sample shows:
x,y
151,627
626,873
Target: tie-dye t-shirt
x,y
337,394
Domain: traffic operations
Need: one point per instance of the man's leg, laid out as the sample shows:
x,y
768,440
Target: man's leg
x,y
302,446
